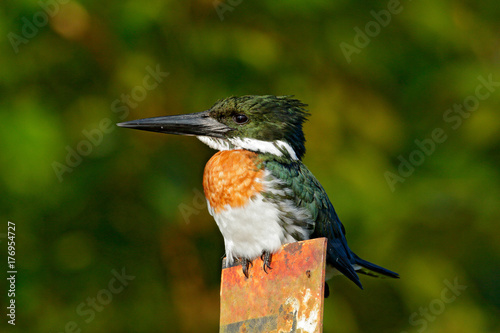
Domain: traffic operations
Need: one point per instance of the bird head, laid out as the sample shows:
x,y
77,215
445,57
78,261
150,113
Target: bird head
x,y
263,124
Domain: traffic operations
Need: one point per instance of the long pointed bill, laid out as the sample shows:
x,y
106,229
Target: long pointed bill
x,y
199,124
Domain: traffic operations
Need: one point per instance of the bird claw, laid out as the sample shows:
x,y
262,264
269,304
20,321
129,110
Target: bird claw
x,y
266,258
245,264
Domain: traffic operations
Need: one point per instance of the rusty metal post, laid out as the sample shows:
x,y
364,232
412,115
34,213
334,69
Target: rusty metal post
x,y
289,298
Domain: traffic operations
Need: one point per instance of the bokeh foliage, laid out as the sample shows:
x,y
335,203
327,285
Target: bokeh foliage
x,y
134,201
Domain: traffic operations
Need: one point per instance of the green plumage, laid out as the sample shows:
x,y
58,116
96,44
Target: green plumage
x,y
306,191
310,195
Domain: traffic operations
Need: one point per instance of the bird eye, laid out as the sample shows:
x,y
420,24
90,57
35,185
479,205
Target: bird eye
x,y
240,119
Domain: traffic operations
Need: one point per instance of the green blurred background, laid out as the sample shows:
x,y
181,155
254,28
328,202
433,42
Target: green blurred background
x,y
130,202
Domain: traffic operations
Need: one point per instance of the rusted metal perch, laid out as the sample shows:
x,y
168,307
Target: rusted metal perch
x,y
289,298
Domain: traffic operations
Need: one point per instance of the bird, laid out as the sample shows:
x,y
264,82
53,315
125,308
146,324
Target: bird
x,y
258,191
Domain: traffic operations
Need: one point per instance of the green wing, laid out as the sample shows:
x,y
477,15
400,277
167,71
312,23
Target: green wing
x,y
308,193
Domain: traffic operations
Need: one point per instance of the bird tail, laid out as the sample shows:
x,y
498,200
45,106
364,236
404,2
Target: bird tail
x,y
345,267
367,268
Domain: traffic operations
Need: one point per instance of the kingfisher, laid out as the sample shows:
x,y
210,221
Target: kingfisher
x,y
257,189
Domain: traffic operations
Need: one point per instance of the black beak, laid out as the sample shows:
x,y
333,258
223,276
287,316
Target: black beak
x,y
200,124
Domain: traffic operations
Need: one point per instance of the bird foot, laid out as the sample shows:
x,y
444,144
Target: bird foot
x,y
266,258
245,264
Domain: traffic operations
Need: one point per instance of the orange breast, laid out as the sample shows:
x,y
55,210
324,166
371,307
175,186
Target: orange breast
x,y
231,177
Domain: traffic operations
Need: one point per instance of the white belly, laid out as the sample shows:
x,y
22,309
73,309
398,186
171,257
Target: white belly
x,y
256,227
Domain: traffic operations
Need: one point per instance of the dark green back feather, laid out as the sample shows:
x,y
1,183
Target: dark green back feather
x,y
309,194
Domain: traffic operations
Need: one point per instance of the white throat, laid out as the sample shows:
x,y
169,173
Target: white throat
x,y
277,148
